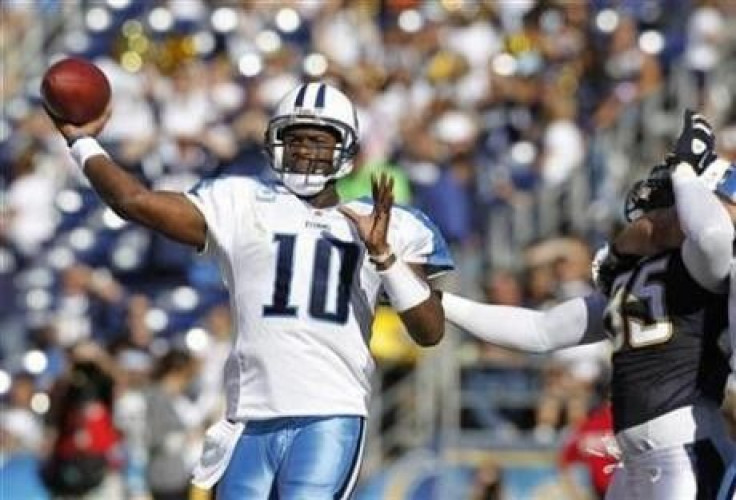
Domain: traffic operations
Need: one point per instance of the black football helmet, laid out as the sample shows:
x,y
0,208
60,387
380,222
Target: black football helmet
x,y
651,193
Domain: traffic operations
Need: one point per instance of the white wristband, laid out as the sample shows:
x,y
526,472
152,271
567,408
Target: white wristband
x,y
404,288
381,258
85,148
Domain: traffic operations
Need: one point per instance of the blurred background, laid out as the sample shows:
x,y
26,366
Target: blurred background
x,y
516,125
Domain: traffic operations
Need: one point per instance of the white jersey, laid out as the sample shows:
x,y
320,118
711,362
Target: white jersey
x,y
303,295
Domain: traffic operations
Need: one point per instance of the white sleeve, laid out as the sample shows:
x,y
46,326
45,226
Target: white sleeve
x,y
209,198
574,322
226,204
708,229
419,241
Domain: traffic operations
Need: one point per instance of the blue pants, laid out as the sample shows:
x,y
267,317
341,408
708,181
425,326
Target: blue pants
x,y
293,458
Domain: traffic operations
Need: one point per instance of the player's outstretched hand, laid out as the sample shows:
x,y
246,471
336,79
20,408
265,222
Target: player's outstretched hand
x,y
696,142
607,265
373,227
90,129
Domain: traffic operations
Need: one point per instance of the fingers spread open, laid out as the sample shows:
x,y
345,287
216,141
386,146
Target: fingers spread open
x,y
383,196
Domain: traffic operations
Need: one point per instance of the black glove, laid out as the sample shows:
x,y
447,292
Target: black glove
x,y
696,142
607,265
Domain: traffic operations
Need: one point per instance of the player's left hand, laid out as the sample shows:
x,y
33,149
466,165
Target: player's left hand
x,y
373,227
696,142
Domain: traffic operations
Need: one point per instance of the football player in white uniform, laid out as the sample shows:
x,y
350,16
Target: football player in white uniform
x,y
304,274
664,314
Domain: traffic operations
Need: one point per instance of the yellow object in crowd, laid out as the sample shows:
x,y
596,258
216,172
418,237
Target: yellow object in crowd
x,y
390,341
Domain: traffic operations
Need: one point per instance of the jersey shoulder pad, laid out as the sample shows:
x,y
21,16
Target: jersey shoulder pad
x,y
422,240
228,185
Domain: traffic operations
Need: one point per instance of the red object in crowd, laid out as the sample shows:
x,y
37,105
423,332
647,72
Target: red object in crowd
x,y
88,431
589,445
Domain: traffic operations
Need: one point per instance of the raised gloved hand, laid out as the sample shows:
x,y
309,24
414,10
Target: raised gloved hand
x,y
695,144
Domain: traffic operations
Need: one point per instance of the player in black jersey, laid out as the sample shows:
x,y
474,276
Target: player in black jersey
x,y
659,231
664,314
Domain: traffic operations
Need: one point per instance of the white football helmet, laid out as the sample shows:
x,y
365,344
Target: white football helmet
x,y
321,105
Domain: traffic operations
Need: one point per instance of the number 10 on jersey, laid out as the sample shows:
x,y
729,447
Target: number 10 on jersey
x,y
321,284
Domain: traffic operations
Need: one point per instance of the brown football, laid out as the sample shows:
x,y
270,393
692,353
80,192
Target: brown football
x,y
75,90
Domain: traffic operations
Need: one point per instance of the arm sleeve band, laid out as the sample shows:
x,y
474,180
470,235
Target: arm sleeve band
x,y
573,322
404,288
707,226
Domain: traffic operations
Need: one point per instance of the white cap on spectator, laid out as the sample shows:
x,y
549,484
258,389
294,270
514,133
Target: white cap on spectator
x,y
455,127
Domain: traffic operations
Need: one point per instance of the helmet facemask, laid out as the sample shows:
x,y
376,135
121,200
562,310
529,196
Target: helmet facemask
x,y
321,167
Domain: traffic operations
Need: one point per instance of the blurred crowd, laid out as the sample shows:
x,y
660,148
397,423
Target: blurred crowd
x,y
515,125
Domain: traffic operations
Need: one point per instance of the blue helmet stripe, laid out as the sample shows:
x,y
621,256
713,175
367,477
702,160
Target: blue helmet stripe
x,y
319,103
299,102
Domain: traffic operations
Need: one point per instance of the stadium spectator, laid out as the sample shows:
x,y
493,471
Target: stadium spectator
x,y
487,482
498,369
632,74
173,440
22,428
88,305
568,375
86,453
358,183
705,32
590,444
137,333
29,216
209,400
131,420
563,149
21,441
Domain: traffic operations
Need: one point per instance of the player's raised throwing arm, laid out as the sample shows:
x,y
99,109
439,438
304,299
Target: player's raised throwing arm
x,y
574,322
169,213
